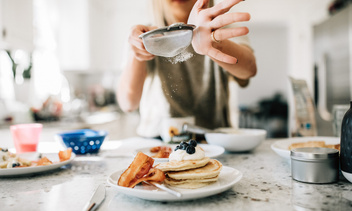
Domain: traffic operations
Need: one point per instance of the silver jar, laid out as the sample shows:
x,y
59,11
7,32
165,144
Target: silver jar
x,y
315,165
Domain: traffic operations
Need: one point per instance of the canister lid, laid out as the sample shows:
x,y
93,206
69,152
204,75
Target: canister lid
x,y
314,153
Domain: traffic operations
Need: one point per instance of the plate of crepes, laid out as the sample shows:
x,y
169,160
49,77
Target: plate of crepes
x,y
161,153
12,164
188,172
283,147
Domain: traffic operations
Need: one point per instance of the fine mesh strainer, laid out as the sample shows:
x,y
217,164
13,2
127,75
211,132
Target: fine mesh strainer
x,y
168,41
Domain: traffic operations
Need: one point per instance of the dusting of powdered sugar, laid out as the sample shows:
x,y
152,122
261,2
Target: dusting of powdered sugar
x,y
181,57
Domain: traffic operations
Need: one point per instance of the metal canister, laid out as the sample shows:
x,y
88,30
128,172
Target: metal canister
x,y
315,165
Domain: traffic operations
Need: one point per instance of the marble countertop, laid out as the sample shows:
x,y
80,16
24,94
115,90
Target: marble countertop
x,y
266,185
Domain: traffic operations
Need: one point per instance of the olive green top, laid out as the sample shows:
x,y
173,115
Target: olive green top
x,y
196,87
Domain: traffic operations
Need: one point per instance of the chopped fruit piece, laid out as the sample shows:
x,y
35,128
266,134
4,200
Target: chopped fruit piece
x,y
65,155
44,162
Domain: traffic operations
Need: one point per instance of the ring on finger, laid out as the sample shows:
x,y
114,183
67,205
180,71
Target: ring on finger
x,y
213,37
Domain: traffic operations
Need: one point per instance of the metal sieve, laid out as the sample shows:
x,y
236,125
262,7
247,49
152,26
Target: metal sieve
x,y
168,41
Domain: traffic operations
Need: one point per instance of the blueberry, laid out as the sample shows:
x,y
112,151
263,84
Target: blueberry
x,y
193,142
191,150
177,147
183,145
15,164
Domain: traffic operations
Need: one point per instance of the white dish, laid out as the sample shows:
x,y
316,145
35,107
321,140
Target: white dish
x,y
281,146
237,140
347,175
227,179
210,151
54,157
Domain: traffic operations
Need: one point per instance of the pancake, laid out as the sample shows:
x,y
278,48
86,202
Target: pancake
x,y
194,185
307,144
196,177
190,184
169,180
182,165
211,170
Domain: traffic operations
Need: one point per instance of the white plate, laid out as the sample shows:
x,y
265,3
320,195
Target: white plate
x,y
210,151
227,179
281,146
54,157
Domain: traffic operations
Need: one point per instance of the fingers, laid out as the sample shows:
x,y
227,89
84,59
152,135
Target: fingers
x,y
152,28
201,4
226,19
136,42
224,34
222,7
220,56
142,55
140,52
137,45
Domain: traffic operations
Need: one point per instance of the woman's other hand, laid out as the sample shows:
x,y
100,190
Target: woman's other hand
x,y
137,46
209,32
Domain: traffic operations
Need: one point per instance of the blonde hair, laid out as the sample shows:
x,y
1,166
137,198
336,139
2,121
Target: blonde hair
x,y
162,12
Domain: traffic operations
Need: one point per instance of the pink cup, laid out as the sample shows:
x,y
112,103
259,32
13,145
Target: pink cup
x,y
26,136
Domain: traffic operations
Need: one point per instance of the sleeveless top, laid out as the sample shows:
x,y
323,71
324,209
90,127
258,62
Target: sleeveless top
x,y
196,87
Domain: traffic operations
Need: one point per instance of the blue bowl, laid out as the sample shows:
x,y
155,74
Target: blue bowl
x,y
83,141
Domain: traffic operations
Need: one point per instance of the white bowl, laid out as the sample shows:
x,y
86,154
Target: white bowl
x,y
237,140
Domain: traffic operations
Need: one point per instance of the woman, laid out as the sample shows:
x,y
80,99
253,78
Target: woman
x,y
197,87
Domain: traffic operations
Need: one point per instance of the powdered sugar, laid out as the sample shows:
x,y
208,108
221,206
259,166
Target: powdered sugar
x,y
181,57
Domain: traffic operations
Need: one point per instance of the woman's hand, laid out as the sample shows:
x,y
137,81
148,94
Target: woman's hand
x,y
209,22
137,45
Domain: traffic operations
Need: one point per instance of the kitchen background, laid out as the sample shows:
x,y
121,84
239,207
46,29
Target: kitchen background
x,y
60,61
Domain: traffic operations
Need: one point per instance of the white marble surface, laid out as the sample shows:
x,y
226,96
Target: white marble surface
x,y
266,185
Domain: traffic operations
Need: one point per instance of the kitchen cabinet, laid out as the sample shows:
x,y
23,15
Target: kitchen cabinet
x,y
16,24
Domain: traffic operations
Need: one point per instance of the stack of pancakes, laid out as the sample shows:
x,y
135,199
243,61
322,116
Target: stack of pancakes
x,y
313,144
191,173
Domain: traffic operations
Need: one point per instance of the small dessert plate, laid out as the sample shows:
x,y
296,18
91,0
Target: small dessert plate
x,y
211,151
